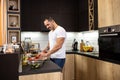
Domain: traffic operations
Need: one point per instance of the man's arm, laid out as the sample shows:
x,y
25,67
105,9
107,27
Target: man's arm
x,y
47,48
57,46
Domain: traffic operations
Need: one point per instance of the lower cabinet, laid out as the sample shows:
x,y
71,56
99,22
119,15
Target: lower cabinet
x,y
44,76
68,70
104,70
87,68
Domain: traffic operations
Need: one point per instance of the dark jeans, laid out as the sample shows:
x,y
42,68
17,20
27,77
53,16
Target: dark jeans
x,y
59,62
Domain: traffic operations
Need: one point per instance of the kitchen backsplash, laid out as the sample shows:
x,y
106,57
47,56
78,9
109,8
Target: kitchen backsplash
x,y
42,38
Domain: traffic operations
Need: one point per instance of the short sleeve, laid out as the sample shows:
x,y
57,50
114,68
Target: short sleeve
x,y
61,32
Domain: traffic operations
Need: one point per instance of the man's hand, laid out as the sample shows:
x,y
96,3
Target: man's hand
x,y
43,54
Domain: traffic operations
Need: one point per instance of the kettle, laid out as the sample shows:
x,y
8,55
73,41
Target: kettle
x,y
75,45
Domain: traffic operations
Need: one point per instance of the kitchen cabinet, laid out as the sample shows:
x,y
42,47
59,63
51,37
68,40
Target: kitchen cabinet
x,y
9,64
116,71
28,14
104,70
64,12
68,15
83,15
68,70
88,15
3,22
73,15
108,13
87,68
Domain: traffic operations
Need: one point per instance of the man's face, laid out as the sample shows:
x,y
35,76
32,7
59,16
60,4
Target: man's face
x,y
49,24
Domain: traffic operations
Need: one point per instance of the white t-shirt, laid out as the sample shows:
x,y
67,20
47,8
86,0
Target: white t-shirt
x,y
53,35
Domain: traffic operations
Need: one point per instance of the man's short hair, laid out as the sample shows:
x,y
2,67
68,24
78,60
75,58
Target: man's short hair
x,y
49,18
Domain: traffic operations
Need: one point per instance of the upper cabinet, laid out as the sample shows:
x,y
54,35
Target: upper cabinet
x,y
73,15
108,12
88,15
33,12
3,22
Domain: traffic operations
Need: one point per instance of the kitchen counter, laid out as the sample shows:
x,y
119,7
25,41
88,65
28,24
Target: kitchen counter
x,y
48,71
89,54
47,67
92,55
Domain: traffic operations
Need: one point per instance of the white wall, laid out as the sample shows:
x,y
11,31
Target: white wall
x,y
42,38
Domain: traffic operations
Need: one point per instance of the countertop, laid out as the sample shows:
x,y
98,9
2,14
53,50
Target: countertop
x,y
93,54
47,67
89,54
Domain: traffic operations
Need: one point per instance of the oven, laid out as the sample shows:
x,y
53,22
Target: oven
x,y
109,42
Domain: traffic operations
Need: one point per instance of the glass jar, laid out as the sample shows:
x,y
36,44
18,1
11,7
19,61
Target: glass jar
x,y
27,44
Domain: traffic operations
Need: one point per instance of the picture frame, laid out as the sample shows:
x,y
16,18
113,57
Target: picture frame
x,y
13,39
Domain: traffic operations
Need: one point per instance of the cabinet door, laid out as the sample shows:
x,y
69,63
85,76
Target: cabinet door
x,y
83,15
33,12
30,15
69,67
108,12
64,12
104,70
85,68
69,15
88,15
116,71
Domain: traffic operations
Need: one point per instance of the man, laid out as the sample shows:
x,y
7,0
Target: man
x,y
56,44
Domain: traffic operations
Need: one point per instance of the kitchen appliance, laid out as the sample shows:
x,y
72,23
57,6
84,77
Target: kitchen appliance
x,y
109,42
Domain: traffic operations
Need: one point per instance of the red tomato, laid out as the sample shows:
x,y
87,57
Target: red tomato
x,y
37,56
31,58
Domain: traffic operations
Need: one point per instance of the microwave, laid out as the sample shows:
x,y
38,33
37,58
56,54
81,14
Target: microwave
x,y
109,42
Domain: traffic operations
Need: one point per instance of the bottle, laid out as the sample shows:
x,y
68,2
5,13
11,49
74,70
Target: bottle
x,y
81,45
75,45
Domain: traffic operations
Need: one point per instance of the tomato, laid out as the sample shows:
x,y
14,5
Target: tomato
x,y
37,56
31,58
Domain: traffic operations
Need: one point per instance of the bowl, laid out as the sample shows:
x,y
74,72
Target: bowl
x,y
87,48
36,64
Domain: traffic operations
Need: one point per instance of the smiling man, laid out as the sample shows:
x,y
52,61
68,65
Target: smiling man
x,y
56,43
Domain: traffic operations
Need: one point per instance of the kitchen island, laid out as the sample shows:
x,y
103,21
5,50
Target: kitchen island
x,y
10,69
48,71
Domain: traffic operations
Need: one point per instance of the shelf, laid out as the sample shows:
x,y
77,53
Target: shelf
x,y
13,5
13,36
13,21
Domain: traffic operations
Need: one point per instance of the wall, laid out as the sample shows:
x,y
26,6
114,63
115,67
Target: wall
x,y
42,38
